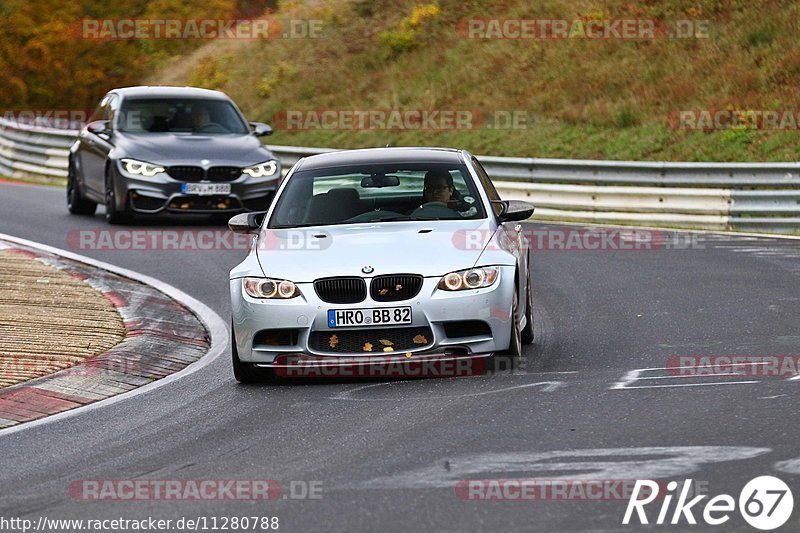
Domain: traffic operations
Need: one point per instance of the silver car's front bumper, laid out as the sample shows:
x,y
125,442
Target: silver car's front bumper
x,y
432,308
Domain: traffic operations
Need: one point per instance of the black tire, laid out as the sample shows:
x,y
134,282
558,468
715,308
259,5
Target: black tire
x,y
527,331
506,360
113,215
246,372
76,203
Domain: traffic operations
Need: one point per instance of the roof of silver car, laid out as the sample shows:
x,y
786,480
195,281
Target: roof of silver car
x,y
156,91
381,155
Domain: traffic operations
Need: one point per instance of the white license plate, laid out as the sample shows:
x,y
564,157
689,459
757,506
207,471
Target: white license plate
x,y
379,316
206,189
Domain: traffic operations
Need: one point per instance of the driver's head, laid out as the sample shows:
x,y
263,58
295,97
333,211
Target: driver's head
x,y
200,115
438,186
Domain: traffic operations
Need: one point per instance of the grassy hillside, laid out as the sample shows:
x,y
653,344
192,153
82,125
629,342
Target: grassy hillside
x,y
607,98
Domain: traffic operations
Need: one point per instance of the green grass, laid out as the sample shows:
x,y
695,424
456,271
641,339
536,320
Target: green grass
x,y
588,99
37,180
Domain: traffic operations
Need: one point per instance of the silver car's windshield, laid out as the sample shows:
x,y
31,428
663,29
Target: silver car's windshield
x,y
180,115
377,193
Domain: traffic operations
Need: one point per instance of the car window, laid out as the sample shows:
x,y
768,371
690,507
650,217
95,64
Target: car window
x,y
488,186
180,115
102,111
112,108
373,192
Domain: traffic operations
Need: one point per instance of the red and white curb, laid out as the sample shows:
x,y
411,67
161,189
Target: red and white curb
x,y
168,334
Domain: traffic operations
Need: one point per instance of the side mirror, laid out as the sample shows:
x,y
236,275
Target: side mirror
x,y
98,126
247,222
515,210
260,129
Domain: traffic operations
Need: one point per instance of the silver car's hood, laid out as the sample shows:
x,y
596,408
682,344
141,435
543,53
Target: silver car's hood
x,y
428,248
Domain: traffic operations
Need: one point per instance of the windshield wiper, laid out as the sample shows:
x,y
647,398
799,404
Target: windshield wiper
x,y
402,218
292,226
370,221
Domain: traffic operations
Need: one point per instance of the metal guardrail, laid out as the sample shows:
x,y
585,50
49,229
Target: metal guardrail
x,y
741,196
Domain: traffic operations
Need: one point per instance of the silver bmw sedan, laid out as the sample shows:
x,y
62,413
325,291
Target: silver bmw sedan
x,y
388,258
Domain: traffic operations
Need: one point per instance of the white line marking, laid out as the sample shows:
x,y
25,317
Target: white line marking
x,y
791,466
686,376
636,375
604,463
217,329
687,385
549,386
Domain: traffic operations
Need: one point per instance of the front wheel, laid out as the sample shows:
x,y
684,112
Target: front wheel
x,y
114,215
506,360
76,203
247,372
527,331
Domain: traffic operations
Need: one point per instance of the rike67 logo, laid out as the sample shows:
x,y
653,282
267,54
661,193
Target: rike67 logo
x,y
765,502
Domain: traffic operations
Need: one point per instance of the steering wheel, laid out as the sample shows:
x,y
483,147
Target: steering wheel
x,y
371,215
212,127
435,210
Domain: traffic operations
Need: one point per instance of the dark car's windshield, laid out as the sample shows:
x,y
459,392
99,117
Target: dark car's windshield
x,y
377,193
180,115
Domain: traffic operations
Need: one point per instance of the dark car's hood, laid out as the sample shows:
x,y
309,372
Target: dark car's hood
x,y
181,149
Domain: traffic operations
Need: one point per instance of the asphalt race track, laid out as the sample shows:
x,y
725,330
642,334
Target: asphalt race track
x,y
592,400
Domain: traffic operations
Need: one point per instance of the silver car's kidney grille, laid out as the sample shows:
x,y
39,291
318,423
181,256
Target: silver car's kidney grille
x,y
395,287
191,173
341,290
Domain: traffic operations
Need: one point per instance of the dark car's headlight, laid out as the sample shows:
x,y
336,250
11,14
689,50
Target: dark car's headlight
x,y
275,289
473,278
140,168
262,170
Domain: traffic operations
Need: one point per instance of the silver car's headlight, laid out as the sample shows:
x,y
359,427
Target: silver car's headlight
x,y
140,168
473,278
276,289
262,170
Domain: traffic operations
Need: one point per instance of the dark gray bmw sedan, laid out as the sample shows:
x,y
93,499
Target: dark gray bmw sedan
x,y
176,149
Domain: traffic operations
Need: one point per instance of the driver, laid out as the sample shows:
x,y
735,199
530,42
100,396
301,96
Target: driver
x,y
200,116
438,187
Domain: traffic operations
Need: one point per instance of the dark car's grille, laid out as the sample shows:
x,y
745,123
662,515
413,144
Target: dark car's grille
x,y
395,287
224,173
341,290
186,173
190,173
371,340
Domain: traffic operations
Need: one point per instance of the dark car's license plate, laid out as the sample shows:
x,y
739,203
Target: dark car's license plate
x,y
206,189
